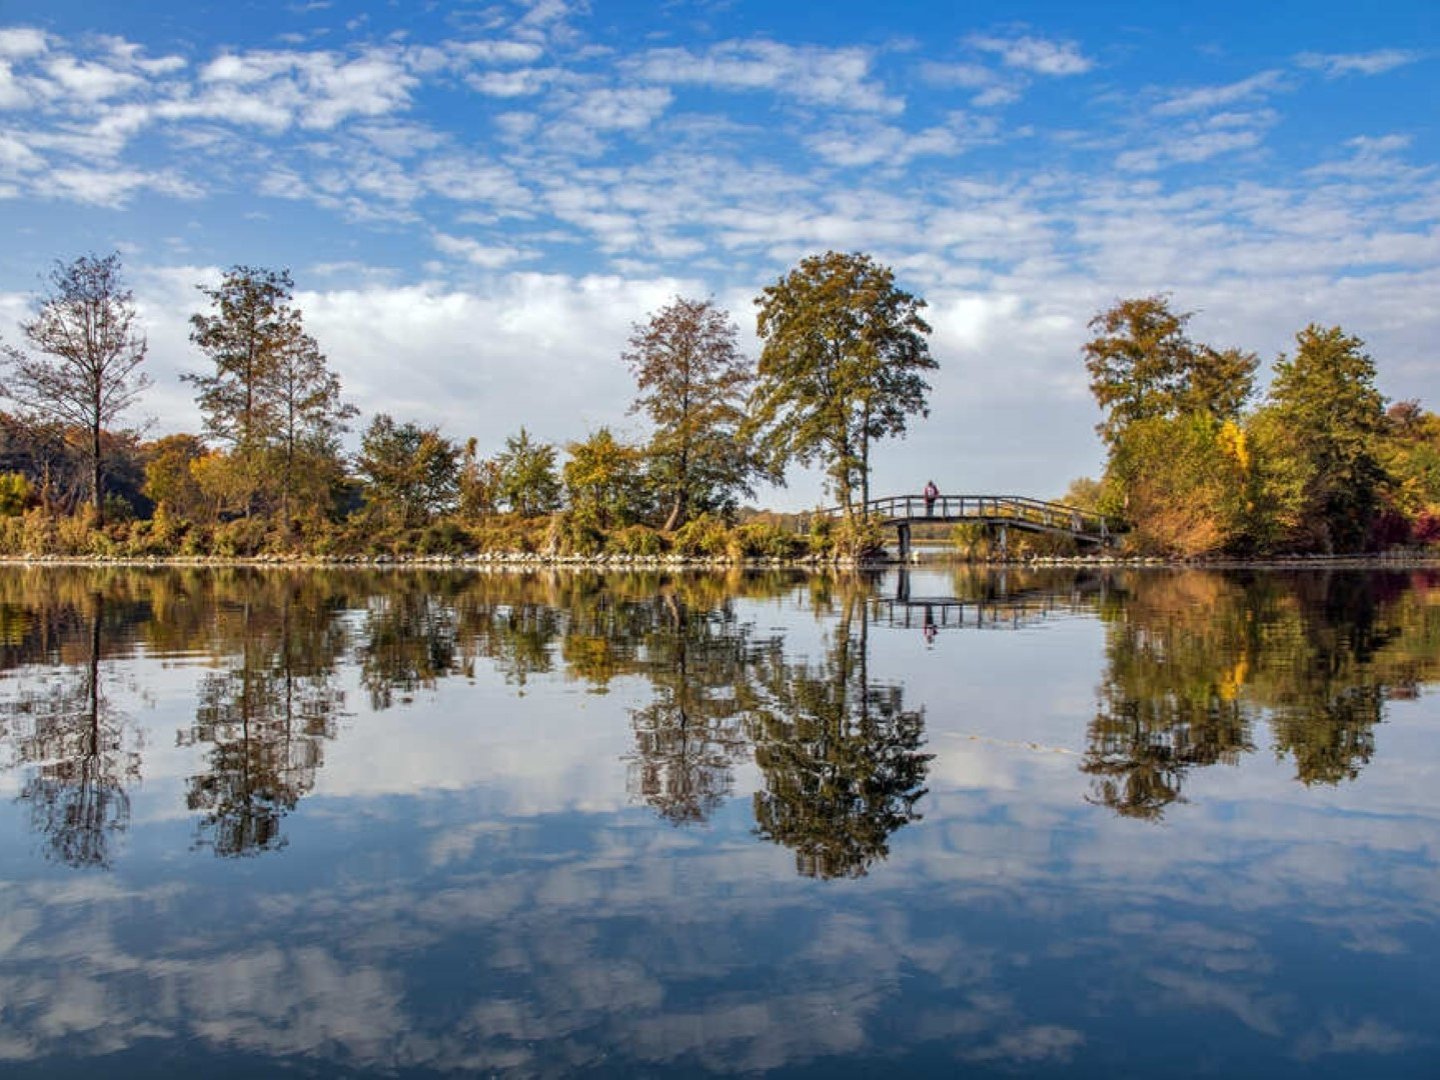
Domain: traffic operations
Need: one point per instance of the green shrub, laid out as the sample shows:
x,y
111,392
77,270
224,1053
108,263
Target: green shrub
x,y
636,540
705,536
444,537
15,494
241,538
764,540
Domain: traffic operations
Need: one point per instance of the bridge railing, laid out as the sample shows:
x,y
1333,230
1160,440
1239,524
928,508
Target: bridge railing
x,y
988,508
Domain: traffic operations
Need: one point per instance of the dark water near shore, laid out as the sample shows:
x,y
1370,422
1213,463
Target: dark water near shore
x,y
1075,823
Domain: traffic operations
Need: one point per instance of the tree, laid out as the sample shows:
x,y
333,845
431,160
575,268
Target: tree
x,y
603,479
87,373
841,367
1143,366
693,381
271,396
1323,421
528,483
170,479
411,472
309,420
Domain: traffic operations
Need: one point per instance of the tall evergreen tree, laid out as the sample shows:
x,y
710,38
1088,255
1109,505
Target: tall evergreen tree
x,y
528,480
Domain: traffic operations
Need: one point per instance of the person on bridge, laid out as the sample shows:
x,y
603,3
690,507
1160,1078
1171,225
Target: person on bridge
x,y
931,494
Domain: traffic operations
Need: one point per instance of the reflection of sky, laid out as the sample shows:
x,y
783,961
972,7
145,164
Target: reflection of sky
x,y
469,886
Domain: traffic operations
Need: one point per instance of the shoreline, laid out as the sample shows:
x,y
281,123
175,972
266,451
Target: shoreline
x,y
518,561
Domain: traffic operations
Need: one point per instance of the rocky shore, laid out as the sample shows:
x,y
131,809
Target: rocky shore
x,y
620,562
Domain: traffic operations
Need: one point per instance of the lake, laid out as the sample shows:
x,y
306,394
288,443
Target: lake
x,y
1141,823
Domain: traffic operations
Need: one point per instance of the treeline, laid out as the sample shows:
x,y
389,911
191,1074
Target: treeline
x,y
841,368
1200,464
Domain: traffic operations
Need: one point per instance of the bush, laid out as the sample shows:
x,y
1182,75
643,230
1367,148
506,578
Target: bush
x,y
241,538
444,537
764,540
704,536
15,494
859,537
636,540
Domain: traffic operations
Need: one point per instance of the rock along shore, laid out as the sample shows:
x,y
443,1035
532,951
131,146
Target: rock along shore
x,y
520,561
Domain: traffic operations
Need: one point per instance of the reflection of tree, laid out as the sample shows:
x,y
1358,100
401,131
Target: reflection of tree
x,y
1346,652
689,737
1195,660
840,757
73,738
409,643
265,719
1169,701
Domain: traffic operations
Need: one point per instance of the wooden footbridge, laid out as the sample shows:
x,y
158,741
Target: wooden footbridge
x,y
998,512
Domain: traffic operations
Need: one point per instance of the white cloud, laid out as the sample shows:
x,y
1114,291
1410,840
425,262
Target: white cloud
x,y
1036,55
500,52
835,77
868,143
486,256
90,81
1337,65
521,82
624,109
115,187
991,87
1202,98
19,42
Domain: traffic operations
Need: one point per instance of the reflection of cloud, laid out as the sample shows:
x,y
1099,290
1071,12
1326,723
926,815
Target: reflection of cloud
x,y
1257,1009
1368,1035
1030,1045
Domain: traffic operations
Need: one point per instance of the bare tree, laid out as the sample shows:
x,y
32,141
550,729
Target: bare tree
x,y
88,351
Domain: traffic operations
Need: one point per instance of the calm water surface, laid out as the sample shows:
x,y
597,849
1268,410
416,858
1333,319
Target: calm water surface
x,y
1140,824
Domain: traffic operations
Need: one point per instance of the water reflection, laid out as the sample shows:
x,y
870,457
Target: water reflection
x,y
76,747
691,735
1200,670
265,718
840,755
547,823
1197,663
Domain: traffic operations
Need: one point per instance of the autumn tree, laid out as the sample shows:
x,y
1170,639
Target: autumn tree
x,y
1410,453
1321,426
271,397
410,473
1143,366
171,481
89,350
693,381
603,478
842,366
1179,466
528,481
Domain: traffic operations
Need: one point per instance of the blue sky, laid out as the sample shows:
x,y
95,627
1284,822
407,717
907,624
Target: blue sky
x,y
477,200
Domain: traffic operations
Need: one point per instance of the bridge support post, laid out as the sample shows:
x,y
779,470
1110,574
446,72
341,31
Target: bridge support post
x,y
902,533
1004,541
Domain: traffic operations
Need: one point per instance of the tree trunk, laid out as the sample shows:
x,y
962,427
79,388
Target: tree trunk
x,y
95,498
677,513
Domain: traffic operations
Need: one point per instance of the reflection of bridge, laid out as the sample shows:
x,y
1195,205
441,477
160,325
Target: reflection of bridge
x,y
1003,610
997,512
